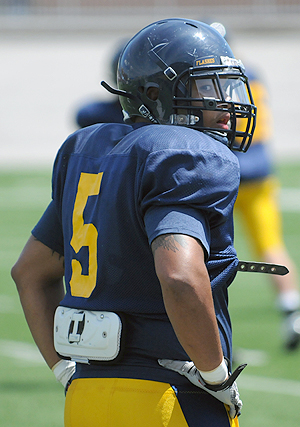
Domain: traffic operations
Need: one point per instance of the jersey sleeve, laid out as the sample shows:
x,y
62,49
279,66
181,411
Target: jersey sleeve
x,y
188,193
48,230
164,220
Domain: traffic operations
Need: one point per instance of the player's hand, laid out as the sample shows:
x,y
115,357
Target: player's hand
x,y
227,391
63,371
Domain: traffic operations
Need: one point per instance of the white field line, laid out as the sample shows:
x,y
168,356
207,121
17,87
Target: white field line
x,y
253,357
7,303
290,199
269,385
25,196
27,352
21,351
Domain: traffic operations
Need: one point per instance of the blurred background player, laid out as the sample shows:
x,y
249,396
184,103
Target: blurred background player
x,y
257,203
258,208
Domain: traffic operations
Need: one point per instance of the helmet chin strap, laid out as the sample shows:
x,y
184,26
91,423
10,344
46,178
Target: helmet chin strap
x,y
144,111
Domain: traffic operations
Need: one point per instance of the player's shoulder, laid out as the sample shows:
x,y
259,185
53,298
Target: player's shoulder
x,y
191,156
161,147
173,140
163,137
99,138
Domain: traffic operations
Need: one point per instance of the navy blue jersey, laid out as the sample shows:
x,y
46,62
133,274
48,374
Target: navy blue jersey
x,y
256,164
99,112
115,189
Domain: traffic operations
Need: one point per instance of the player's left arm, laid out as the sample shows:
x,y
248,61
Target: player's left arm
x,y
38,274
181,270
180,266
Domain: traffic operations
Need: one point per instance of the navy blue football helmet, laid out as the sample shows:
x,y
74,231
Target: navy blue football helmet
x,y
192,69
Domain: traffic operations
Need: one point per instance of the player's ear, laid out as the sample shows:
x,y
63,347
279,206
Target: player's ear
x,y
152,93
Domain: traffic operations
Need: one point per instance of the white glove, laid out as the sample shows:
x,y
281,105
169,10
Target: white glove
x,y
63,371
227,391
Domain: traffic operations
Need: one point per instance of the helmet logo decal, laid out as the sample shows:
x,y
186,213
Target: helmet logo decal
x,y
204,61
231,62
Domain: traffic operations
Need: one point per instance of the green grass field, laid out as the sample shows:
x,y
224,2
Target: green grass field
x,y
29,394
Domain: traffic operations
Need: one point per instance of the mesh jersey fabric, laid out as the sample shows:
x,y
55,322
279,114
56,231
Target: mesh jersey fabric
x,y
154,180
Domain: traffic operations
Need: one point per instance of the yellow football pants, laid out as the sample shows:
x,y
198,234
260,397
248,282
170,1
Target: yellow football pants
x,y
258,207
121,402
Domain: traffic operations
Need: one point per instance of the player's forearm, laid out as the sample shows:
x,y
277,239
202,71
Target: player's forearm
x,y
180,267
39,305
194,322
38,274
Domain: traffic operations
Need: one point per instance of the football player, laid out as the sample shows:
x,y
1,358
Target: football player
x,y
141,228
257,204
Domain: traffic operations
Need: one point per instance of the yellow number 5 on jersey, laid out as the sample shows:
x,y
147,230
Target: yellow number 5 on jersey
x,y
84,235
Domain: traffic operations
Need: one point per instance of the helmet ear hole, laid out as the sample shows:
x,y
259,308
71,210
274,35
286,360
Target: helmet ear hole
x,y
152,93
